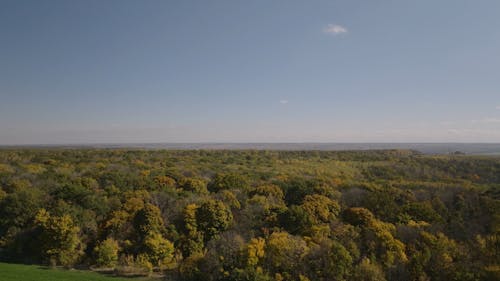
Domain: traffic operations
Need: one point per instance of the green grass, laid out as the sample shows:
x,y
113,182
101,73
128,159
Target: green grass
x,y
18,272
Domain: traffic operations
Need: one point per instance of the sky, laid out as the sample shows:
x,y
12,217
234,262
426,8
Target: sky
x,y
95,71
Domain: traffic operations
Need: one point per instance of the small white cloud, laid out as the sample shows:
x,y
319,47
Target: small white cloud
x,y
283,101
334,29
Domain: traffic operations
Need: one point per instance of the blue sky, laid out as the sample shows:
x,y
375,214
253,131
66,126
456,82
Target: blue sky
x,y
98,71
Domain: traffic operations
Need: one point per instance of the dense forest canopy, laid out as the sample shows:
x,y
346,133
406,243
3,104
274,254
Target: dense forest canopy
x,y
253,215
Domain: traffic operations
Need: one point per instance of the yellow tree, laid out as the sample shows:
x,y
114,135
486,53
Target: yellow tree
x,y
60,238
192,240
284,254
106,252
377,236
321,209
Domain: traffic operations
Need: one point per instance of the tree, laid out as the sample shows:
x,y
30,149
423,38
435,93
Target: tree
x,y
213,217
60,238
263,208
148,220
368,271
149,226
159,250
189,269
229,198
297,188
296,220
227,181
193,185
192,240
249,274
284,254
271,215
268,190
18,209
436,256
329,261
133,220
164,182
321,209
106,253
358,216
224,255
255,251
377,236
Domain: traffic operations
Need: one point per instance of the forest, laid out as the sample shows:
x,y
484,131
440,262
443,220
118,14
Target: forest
x,y
224,215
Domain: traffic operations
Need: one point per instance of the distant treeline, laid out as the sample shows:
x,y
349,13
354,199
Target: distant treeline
x,y
253,214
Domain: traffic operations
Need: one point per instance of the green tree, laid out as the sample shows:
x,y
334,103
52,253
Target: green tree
x,y
227,181
149,226
296,220
18,209
224,255
213,217
436,255
148,220
329,261
284,254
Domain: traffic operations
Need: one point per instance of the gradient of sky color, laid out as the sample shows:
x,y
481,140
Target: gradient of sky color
x,y
101,71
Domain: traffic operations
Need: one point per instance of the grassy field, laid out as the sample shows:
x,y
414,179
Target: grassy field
x,y
17,272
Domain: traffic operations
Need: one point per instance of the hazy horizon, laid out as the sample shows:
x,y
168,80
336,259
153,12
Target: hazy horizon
x,y
104,72
426,148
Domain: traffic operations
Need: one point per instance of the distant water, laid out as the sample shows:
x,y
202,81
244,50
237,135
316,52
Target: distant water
x,y
428,148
